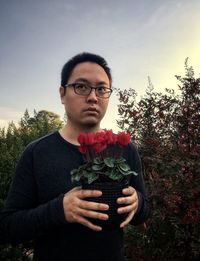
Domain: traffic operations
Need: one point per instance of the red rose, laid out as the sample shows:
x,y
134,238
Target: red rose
x,y
123,139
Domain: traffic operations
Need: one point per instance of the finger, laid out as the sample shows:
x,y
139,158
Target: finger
x,y
127,200
93,205
76,188
128,191
126,209
88,224
128,219
93,214
85,193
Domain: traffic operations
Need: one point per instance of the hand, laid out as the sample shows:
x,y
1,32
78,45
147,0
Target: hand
x,y
131,200
77,210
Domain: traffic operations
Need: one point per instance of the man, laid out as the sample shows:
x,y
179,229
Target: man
x,y
42,204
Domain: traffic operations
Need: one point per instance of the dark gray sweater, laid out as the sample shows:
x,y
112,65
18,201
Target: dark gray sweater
x,y
34,207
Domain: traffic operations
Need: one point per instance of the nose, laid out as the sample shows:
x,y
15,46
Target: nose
x,y
92,96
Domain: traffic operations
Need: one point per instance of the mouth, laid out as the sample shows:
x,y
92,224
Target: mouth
x,y
91,110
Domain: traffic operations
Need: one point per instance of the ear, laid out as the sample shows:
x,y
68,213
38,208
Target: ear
x,y
62,92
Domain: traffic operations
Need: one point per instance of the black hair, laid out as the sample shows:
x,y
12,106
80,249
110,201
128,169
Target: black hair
x,y
80,58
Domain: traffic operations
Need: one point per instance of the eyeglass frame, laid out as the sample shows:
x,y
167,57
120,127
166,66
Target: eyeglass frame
x,y
91,88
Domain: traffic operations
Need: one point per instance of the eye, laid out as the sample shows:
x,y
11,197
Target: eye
x,y
102,89
81,86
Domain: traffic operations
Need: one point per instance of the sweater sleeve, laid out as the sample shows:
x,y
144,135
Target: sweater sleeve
x,y
137,182
23,218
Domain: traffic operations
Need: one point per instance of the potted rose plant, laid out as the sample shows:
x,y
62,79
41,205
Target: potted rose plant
x,y
105,169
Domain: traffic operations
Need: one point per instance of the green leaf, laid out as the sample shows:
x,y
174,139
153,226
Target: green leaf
x,y
82,167
77,176
72,179
106,173
92,177
97,167
133,172
130,173
120,160
109,162
114,175
86,173
74,171
97,161
124,167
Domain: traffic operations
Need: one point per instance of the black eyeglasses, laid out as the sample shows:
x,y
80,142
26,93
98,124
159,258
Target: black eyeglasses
x,y
85,90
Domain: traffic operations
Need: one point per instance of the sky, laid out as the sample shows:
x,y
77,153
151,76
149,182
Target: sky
x,y
137,38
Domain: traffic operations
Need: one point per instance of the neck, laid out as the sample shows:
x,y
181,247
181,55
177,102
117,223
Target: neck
x,y
70,133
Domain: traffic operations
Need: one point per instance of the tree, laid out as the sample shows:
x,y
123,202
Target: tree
x,y
12,143
42,123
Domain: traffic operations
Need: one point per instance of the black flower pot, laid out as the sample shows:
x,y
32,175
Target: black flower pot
x,y
111,191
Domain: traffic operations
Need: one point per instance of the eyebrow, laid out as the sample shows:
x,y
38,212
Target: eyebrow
x,y
86,81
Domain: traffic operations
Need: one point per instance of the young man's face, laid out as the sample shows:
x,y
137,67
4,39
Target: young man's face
x,y
85,111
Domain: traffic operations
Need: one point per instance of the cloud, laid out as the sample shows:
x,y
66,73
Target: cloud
x,y
9,114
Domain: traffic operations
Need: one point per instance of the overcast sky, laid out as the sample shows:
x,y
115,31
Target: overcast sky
x,y
137,38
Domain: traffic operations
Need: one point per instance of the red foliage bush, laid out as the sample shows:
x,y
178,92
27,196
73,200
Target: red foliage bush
x,y
166,129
